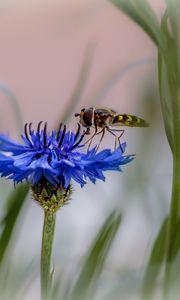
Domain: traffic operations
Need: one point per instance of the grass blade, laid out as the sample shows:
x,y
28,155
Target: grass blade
x,y
155,262
87,281
14,205
18,278
141,12
176,243
165,95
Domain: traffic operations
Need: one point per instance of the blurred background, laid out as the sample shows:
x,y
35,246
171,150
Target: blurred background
x,y
57,57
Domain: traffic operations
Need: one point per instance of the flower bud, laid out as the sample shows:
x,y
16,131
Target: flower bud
x,y
51,197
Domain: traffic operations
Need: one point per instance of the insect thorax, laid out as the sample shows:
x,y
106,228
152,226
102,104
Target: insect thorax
x,y
102,120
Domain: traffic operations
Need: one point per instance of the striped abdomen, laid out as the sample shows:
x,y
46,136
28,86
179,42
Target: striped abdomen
x,y
128,120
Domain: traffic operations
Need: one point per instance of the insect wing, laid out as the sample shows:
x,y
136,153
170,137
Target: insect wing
x,y
104,112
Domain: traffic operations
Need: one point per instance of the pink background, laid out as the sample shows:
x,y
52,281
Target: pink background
x,y
42,48
43,44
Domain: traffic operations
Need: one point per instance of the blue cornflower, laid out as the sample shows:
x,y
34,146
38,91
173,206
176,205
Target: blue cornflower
x,y
56,157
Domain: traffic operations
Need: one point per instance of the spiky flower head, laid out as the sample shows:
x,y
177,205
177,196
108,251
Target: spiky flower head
x,y
54,159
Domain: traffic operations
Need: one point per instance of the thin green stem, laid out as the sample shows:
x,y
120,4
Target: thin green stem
x,y
172,224
46,250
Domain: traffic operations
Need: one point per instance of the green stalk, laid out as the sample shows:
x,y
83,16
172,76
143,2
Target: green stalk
x,y
46,250
174,214
174,209
172,225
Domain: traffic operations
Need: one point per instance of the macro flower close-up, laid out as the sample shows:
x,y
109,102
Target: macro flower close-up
x,y
89,150
49,161
58,157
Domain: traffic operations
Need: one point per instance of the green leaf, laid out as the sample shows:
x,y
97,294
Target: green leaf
x,y
141,12
14,206
173,11
87,281
176,242
165,96
170,52
155,261
169,79
15,281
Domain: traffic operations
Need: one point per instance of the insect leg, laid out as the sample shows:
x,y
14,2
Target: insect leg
x,y
91,138
117,138
115,144
103,132
121,133
96,133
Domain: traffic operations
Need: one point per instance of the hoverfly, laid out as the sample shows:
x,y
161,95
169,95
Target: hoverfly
x,y
103,120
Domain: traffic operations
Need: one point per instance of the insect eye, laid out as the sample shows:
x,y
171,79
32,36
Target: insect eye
x,y
87,117
83,109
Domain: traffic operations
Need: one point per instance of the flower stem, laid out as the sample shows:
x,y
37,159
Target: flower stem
x,y
46,250
173,223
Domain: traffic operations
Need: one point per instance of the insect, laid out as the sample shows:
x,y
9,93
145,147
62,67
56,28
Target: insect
x,y
103,120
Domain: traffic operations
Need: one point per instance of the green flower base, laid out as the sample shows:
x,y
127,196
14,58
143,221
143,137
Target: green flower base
x,y
51,197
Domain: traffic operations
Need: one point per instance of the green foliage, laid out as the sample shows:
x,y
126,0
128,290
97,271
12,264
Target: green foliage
x,y
15,280
176,247
87,282
166,37
141,12
155,262
14,206
164,96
